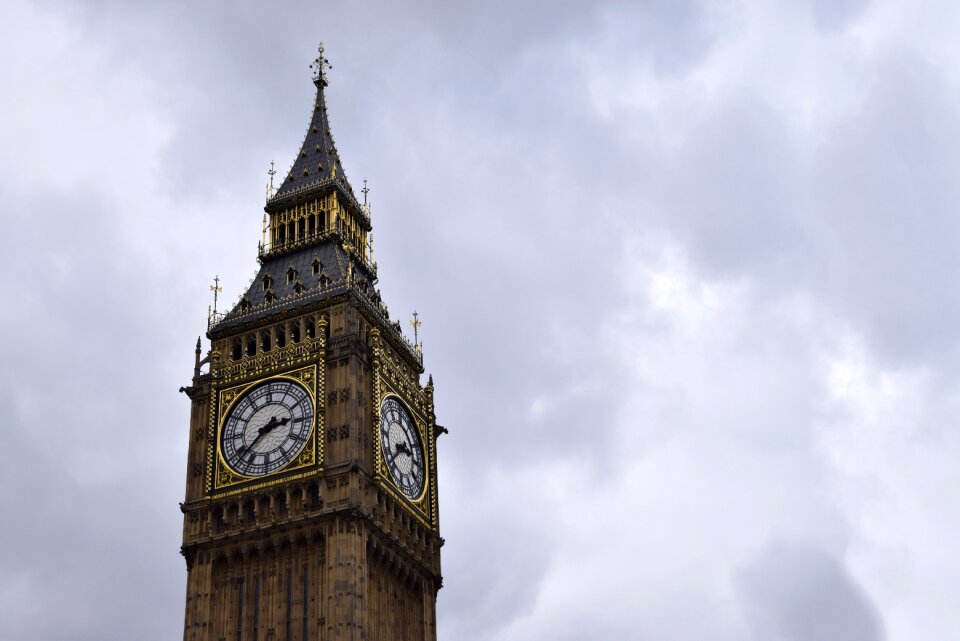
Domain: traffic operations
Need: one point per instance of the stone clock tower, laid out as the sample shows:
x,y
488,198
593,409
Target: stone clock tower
x,y
311,500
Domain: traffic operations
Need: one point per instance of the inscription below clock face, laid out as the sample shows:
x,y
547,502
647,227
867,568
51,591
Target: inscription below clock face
x,y
267,428
402,451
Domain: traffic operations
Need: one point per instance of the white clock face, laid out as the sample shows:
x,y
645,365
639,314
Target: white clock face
x,y
402,451
267,428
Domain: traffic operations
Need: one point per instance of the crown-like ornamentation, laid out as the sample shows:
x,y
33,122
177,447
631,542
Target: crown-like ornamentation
x,y
320,65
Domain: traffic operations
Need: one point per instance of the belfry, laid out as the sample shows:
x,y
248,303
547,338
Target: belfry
x,y
311,491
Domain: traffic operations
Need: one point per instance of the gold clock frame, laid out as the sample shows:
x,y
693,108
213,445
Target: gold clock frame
x,y
420,424
423,508
224,481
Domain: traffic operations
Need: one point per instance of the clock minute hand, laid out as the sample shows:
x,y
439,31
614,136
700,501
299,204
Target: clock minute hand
x,y
403,447
266,429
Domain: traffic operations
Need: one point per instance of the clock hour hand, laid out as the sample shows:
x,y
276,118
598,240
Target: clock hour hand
x,y
403,447
266,429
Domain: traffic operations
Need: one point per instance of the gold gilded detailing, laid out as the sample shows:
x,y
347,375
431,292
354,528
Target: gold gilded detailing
x,y
416,327
292,354
259,486
226,477
215,288
319,219
220,476
228,396
423,508
212,315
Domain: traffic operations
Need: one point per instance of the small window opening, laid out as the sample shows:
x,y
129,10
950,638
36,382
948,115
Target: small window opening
x,y
298,288
280,500
281,337
295,333
265,342
291,275
267,282
301,228
323,220
236,351
324,281
291,230
248,512
270,297
311,328
315,496
312,226
251,346
316,266
281,234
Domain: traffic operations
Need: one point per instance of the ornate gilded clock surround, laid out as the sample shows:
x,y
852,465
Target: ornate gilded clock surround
x,y
390,381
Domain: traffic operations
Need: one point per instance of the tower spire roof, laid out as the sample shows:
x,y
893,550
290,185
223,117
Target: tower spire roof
x,y
317,166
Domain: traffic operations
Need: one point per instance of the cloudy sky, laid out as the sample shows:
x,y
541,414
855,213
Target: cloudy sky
x,y
687,270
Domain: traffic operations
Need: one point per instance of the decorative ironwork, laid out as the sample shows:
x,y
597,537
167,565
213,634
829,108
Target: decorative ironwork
x,y
319,65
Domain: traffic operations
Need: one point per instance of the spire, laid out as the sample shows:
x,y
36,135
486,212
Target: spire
x,y
317,166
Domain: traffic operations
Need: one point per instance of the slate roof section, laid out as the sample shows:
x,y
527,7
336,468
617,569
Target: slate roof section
x,y
318,165
332,267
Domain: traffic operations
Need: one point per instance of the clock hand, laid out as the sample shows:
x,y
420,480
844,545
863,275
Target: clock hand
x,y
403,447
266,429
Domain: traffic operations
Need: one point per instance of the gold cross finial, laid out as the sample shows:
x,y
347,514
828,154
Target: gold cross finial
x,y
215,288
416,326
319,65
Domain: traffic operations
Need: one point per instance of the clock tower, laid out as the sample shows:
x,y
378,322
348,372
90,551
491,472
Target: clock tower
x,y
311,492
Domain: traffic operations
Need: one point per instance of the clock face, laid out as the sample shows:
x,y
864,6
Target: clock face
x,y
267,428
402,451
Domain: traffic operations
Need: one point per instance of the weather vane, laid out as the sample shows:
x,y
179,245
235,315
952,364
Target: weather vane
x,y
416,326
215,288
319,65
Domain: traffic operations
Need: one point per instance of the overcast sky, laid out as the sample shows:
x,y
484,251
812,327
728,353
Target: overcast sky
x,y
687,272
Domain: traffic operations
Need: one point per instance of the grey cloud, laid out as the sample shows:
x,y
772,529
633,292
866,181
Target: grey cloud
x,y
505,192
796,592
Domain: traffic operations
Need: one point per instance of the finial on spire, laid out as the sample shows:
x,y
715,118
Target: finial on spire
x,y
271,172
320,64
365,190
215,288
416,326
